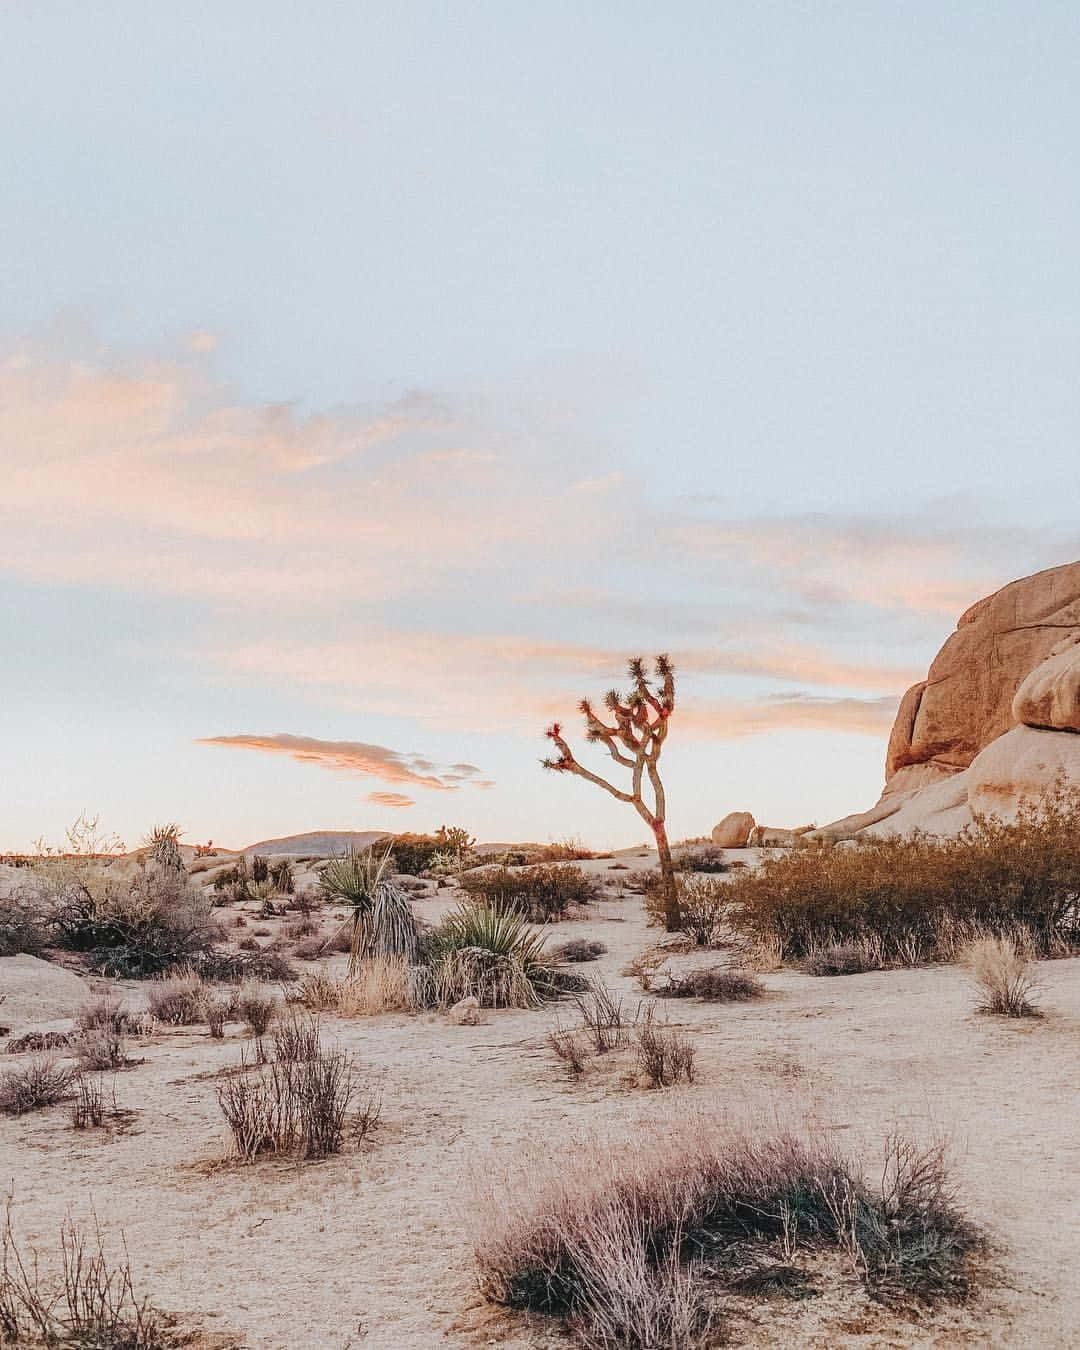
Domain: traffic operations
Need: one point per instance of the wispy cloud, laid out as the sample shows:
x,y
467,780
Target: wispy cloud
x,y
397,800
356,757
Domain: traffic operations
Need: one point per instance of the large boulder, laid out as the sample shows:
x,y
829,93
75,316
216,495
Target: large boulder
x,y
966,700
38,993
996,721
734,830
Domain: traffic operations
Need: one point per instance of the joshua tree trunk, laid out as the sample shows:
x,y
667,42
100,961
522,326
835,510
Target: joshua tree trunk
x,y
635,742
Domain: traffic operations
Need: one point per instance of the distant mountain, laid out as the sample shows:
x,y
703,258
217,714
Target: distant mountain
x,y
322,843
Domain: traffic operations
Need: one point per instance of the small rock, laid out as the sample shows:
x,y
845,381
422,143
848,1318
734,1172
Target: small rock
x,y
466,1013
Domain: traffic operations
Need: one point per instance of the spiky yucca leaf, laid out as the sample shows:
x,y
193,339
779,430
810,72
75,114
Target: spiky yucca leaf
x,y
491,953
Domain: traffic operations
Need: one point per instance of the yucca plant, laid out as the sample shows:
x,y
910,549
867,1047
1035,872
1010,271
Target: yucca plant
x,y
490,953
163,843
382,920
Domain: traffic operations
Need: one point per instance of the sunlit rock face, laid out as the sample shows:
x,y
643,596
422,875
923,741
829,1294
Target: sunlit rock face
x,y
997,719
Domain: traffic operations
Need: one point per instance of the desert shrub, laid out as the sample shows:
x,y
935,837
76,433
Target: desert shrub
x,y
232,884
256,1009
488,953
378,986
282,878
36,1041
602,1017
42,1082
666,1056
304,902
578,950
918,895
88,1108
24,927
301,928
1003,974
845,958
412,853
249,944
101,1048
108,1013
296,1038
700,856
216,1012
318,991
267,963
702,901
383,923
568,1048
627,1239
310,949
153,922
290,1106
543,894
178,999
717,984
91,1305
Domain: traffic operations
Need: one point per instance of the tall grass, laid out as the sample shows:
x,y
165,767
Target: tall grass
x,y
1002,972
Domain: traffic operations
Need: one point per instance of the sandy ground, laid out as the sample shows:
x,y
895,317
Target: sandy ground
x,y
371,1248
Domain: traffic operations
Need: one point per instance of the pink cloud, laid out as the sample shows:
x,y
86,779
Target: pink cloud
x,y
397,800
357,757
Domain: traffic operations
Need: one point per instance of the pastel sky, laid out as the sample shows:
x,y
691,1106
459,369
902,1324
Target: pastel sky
x,y
375,378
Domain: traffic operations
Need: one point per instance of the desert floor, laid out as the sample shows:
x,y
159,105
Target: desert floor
x,y
372,1248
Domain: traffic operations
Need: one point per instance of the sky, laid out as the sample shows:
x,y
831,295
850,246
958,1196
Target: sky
x,y
376,378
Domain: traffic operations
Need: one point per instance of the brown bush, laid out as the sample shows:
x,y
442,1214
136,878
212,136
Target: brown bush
x,y
717,984
42,1082
256,1009
921,897
666,1057
578,950
178,1000
292,1106
845,958
543,894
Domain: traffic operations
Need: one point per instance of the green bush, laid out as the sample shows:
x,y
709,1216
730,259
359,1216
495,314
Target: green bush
x,y
922,897
413,852
542,894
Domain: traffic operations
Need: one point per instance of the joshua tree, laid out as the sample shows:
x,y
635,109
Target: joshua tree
x,y
635,741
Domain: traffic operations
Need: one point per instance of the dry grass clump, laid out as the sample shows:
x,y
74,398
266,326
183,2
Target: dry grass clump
x,y
578,950
665,1056
1003,973
636,1242
542,894
380,985
297,1106
91,1305
605,1024
178,1000
102,1048
922,897
42,1082
39,1040
717,984
702,903
845,958
256,1009
216,1012
296,1038
88,1108
699,856
108,1013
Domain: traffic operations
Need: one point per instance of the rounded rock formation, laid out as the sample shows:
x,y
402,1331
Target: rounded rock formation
x,y
995,723
734,830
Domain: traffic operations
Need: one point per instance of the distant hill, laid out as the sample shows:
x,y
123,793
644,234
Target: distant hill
x,y
322,843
